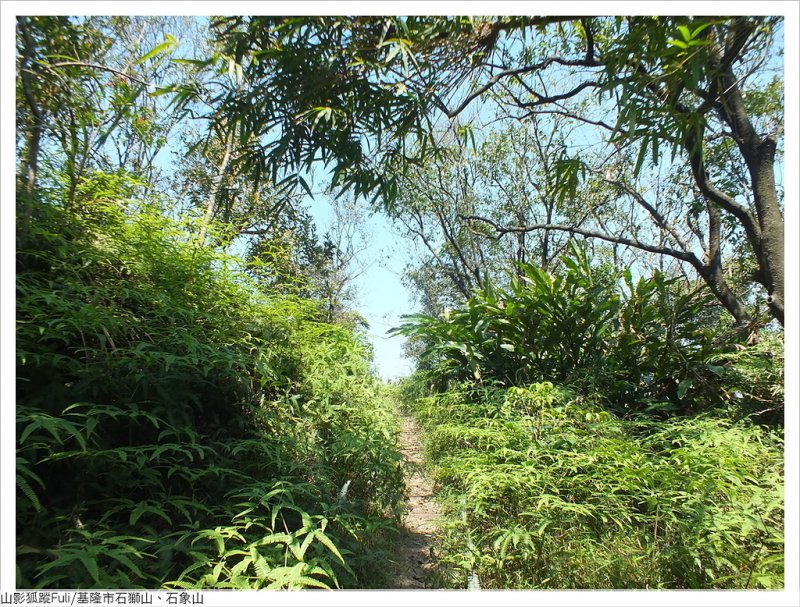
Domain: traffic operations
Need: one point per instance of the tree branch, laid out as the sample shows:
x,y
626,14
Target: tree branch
x,y
711,192
654,213
738,36
688,257
599,123
100,67
713,273
456,277
545,99
589,40
517,72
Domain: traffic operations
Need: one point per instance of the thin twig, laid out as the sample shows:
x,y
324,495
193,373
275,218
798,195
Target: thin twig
x,y
97,66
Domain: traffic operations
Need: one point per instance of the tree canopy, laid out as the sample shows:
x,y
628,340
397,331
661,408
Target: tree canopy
x,y
369,97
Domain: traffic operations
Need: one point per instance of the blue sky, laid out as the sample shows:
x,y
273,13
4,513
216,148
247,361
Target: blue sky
x,y
381,296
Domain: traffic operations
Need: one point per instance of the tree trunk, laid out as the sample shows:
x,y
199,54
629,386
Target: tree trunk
x,y
32,160
30,170
759,155
770,255
713,277
711,270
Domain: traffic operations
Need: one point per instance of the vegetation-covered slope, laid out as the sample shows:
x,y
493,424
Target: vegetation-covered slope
x,y
543,489
179,427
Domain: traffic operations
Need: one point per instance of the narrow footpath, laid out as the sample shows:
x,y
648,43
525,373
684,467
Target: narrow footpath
x,y
416,558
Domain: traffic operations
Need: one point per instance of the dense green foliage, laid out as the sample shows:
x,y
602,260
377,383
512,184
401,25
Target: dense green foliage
x,y
646,344
176,427
544,489
369,96
587,430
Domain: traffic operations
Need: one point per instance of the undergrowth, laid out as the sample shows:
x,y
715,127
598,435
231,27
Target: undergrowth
x,y
542,489
179,427
586,430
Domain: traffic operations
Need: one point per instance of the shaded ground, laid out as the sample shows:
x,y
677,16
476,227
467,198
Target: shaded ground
x,y
415,553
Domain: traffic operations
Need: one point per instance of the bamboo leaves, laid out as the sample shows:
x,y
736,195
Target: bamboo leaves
x,y
174,428
545,490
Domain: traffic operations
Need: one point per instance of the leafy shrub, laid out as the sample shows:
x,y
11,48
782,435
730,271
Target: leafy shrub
x,y
541,326
754,378
666,349
645,345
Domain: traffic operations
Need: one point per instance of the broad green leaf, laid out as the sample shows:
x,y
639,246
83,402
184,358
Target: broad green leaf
x,y
168,45
90,564
683,386
700,28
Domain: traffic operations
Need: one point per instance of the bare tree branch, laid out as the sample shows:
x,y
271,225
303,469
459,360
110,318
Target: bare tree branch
x,y
688,257
100,67
566,114
659,219
545,99
517,72
456,277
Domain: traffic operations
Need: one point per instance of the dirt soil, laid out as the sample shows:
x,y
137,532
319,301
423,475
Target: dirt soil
x,y
415,554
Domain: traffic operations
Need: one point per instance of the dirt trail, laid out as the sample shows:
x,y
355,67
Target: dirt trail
x,y
415,556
